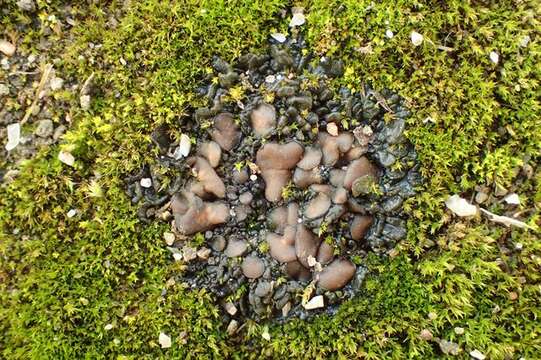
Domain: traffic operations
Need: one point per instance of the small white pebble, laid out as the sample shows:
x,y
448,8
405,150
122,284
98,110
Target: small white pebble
x,y
146,182
494,57
169,238
512,199
416,38
164,340
66,158
389,34
185,145
14,136
279,37
108,327
253,177
71,213
518,246
177,256
56,83
298,19
315,303
7,48
85,102
476,354
459,330
123,62
230,308
270,79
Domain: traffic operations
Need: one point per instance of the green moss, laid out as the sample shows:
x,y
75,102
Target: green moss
x,y
473,123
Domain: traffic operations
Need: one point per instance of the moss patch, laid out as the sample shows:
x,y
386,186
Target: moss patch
x,y
474,123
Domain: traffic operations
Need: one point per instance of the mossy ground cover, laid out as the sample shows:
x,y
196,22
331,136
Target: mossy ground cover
x,y
473,123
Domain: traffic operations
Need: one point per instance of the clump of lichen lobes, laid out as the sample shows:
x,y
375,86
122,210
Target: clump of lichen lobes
x,y
296,180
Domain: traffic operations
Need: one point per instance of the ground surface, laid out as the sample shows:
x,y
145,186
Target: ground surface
x,y
91,285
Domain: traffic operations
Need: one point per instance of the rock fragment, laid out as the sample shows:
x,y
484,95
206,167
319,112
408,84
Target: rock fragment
x,y
7,48
253,267
316,302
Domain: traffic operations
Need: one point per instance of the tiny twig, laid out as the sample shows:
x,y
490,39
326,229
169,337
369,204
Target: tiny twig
x,y
44,77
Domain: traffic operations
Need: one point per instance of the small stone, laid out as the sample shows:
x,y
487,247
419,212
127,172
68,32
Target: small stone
x,y
279,37
416,38
286,308
494,57
146,182
253,177
298,19
253,267
476,354
512,199
432,315
169,238
188,253
164,340
449,347
7,48
85,102
460,206
14,136
481,197
203,253
71,213
332,129
513,296
230,308
177,256
232,327
459,330
270,79
316,302
426,335
235,248
4,90
263,288
26,5
56,83
184,146
66,158
246,198
218,244
389,34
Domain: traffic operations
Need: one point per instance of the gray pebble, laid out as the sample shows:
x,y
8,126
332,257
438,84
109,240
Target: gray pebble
x,y
45,128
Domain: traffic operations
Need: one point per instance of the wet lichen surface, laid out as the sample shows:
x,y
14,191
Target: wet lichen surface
x,y
285,184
